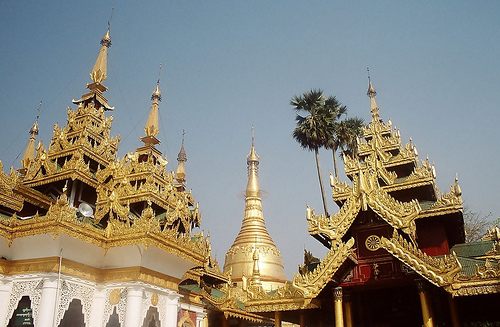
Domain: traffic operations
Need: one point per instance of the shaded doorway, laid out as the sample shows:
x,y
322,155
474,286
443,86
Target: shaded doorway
x,y
73,317
152,318
113,320
23,315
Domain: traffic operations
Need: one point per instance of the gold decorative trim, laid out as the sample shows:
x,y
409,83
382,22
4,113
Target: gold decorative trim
x,y
311,283
61,219
86,272
439,271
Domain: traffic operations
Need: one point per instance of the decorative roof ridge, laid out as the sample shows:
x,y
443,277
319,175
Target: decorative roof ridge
x,y
440,271
336,225
61,218
311,283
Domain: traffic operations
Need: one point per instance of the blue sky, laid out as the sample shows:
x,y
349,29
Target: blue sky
x,y
234,64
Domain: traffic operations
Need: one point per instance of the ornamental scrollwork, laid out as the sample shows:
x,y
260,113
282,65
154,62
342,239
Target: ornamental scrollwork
x,y
311,283
440,271
450,199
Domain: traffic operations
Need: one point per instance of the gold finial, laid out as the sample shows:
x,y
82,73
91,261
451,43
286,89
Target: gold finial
x,y
253,170
99,72
151,129
372,95
180,173
29,152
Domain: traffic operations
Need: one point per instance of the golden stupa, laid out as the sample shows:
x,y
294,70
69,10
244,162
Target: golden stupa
x,y
253,257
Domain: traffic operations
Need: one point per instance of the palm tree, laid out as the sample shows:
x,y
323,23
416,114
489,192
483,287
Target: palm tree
x,y
335,111
348,132
313,125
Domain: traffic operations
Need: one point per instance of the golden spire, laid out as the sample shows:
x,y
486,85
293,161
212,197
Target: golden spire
x,y
29,152
373,101
151,129
180,173
100,70
254,235
253,189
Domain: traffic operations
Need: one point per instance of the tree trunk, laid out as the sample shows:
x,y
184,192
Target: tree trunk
x,y
335,163
321,182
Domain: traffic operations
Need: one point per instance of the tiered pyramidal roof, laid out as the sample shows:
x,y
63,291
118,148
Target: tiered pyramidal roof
x,y
79,174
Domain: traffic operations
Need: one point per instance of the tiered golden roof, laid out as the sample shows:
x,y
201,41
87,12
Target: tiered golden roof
x,y
133,200
254,239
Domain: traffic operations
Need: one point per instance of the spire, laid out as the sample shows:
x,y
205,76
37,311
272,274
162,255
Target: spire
x,y
373,101
253,189
240,260
151,129
99,71
180,173
29,152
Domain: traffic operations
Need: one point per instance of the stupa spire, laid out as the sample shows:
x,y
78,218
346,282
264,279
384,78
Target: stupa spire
x,y
29,152
254,235
99,72
253,189
180,173
373,101
151,129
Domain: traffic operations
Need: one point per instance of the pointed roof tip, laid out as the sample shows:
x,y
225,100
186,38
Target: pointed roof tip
x,y
156,92
371,89
106,39
253,156
182,157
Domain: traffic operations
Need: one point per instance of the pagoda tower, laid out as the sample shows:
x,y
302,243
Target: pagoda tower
x,y
253,257
89,239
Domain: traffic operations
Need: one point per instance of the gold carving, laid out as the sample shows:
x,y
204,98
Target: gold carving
x,y
372,242
114,296
439,271
154,299
311,283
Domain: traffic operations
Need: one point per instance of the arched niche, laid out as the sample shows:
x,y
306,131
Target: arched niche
x,y
152,318
73,317
113,321
23,315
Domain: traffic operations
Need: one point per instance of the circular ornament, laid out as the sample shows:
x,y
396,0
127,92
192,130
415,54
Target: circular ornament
x,y
372,242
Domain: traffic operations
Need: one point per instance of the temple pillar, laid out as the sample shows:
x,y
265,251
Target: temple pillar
x,y
200,319
337,307
347,310
48,302
455,321
133,308
171,311
5,290
97,309
225,321
302,319
277,319
425,305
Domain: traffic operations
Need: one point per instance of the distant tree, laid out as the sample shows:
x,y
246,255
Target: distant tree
x,y
476,224
314,121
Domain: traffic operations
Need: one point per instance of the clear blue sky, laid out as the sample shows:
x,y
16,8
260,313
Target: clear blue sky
x,y
234,64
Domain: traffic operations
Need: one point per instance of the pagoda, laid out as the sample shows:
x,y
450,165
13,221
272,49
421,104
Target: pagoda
x,y
89,239
253,258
